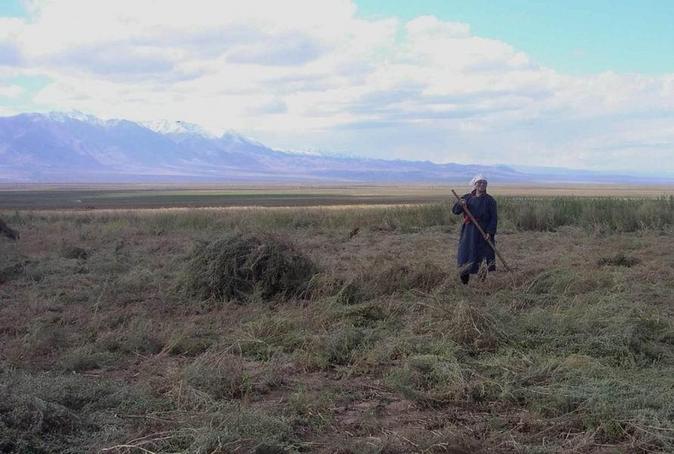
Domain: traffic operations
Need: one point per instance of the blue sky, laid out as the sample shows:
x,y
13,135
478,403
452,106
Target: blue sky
x,y
573,36
562,83
12,8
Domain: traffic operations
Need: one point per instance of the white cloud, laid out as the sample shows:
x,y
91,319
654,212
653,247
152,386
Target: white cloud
x,y
10,91
306,74
10,31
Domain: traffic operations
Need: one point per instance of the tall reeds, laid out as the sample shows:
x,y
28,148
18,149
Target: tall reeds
x,y
518,213
606,213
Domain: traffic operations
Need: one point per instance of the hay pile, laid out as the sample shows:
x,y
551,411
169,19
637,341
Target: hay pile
x,y
241,266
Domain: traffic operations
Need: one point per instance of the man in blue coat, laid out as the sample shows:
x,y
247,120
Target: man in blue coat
x,y
473,248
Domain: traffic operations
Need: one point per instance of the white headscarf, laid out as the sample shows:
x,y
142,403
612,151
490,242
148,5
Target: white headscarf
x,y
477,178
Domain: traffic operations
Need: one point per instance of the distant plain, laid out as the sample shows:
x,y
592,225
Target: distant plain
x,y
82,196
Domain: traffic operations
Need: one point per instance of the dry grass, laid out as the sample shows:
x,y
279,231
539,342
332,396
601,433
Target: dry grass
x,y
243,267
385,351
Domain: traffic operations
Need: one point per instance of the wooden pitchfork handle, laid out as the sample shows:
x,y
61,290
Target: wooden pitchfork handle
x,y
484,235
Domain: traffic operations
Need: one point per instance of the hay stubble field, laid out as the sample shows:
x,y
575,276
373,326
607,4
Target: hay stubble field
x,y
314,329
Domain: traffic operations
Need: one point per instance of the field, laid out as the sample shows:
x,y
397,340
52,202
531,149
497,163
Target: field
x,y
88,197
322,328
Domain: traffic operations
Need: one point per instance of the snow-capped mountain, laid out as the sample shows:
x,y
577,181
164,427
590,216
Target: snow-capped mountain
x,y
76,147
63,117
176,127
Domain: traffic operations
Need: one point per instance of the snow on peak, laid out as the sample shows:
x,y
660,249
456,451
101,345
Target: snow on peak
x,y
176,127
233,136
61,117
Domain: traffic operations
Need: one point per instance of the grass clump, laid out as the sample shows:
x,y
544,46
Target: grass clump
x,y
222,376
242,266
85,358
351,293
138,336
556,281
618,260
74,252
322,285
347,292
429,380
401,277
11,272
311,410
365,314
233,428
266,336
189,343
343,346
31,424
50,412
471,326
612,332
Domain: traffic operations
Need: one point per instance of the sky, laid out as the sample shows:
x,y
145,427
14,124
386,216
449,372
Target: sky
x,y
578,84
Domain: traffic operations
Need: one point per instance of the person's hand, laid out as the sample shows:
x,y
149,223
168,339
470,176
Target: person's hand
x,y
462,202
487,236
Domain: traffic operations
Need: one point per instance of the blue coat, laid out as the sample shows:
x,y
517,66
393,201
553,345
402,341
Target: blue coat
x,y
473,249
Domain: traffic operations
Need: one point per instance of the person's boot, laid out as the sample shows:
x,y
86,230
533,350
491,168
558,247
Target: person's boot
x,y
465,278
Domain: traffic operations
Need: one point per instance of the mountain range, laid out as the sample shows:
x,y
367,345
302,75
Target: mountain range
x,y
78,148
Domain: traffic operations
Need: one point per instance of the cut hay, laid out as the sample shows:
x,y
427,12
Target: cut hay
x,y
222,376
619,260
10,272
242,266
472,326
430,381
74,252
423,276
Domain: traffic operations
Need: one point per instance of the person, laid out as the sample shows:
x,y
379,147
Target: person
x,y
473,248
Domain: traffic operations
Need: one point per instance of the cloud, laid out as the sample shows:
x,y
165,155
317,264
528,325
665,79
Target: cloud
x,y
10,54
304,75
10,51
10,91
272,106
114,60
290,49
